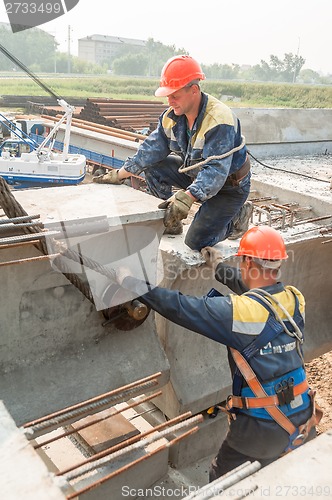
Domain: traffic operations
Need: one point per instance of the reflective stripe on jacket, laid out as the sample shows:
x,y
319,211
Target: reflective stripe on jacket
x,y
216,130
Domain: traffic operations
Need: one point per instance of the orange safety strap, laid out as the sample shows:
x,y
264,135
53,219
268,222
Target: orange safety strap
x,y
259,391
262,402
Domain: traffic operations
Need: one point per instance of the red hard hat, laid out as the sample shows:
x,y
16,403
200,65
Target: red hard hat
x,y
262,242
176,73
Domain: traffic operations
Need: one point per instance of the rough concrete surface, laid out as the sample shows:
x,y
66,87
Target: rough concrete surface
x,y
304,473
303,174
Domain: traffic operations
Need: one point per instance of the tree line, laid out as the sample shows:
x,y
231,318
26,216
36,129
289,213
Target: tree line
x,y
38,50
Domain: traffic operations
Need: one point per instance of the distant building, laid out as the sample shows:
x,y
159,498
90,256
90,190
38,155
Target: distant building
x,y
99,49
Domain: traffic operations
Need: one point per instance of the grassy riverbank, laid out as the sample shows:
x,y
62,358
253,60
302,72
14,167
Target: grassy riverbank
x,y
243,94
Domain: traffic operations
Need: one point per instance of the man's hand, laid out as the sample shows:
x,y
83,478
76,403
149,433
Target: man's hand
x,y
212,257
121,273
112,177
177,207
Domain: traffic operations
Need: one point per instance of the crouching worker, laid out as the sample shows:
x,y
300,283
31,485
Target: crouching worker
x,y
198,148
271,409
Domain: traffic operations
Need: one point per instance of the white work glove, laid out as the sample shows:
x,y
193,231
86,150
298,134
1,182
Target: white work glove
x,y
121,273
212,257
112,177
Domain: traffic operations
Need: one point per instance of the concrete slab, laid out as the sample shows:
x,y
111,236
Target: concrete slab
x,y
57,349
305,473
118,203
273,131
23,473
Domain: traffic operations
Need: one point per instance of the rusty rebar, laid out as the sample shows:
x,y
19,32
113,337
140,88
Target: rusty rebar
x,y
156,436
96,421
125,443
132,464
84,404
30,259
314,219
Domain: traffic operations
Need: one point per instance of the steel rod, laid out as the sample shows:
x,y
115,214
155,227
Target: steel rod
x,y
78,414
18,244
218,486
26,237
264,212
96,421
314,219
135,462
156,436
10,227
93,400
20,219
73,416
131,464
128,441
30,259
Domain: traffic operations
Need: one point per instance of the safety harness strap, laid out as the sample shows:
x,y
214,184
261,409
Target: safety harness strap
x,y
261,402
272,329
259,391
302,432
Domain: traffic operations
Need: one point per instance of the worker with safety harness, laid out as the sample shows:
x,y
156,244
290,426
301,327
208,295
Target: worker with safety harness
x,y
271,409
198,148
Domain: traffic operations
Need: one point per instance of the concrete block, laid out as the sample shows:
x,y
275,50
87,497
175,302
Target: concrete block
x,y
135,481
204,443
286,131
56,348
22,472
304,472
199,369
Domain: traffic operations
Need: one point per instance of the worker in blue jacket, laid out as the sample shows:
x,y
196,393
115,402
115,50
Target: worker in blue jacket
x,y
197,147
271,409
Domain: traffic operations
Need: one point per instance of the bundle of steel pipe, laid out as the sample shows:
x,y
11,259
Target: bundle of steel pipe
x,y
104,129
125,114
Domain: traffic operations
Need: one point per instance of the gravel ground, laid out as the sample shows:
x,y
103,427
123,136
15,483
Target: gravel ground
x,y
319,372
304,174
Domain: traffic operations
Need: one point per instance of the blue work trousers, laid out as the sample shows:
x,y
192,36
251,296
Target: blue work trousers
x,y
213,220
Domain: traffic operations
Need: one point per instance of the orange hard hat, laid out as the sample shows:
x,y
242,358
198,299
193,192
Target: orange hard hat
x,y
263,242
177,72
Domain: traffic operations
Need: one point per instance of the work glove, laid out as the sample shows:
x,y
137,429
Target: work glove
x,y
112,177
212,257
177,207
121,273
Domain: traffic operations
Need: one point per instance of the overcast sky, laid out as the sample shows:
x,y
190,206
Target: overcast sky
x,y
212,31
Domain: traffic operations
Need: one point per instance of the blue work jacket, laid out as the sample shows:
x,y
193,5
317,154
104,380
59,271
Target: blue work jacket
x,y
216,131
235,320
